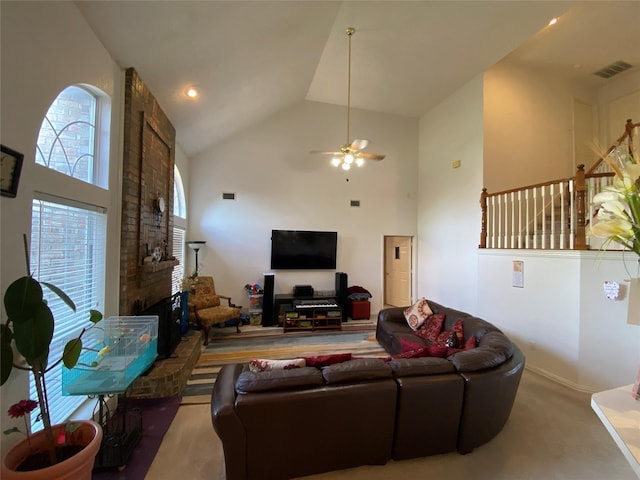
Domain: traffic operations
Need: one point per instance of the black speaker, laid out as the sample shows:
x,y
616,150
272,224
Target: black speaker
x,y
341,294
268,315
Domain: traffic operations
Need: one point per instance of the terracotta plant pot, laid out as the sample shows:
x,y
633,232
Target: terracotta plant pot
x,y
78,467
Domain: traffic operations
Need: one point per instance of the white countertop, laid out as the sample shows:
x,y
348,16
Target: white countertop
x,y
620,414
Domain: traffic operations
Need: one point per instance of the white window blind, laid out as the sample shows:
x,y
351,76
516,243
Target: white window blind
x,y
178,251
68,246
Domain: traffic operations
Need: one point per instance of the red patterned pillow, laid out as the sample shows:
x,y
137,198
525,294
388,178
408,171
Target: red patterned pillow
x,y
458,329
417,313
419,350
471,342
431,328
265,365
407,345
325,360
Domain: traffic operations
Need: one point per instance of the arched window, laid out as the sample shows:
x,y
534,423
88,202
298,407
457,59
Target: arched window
x,y
179,230
68,236
70,140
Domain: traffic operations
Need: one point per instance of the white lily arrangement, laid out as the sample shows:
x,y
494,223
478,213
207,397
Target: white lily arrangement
x,y
619,211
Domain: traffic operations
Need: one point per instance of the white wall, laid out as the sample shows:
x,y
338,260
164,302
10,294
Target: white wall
x,y
561,319
528,126
448,207
279,185
47,46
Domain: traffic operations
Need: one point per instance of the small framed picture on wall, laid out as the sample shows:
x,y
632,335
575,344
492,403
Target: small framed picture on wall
x,y
10,168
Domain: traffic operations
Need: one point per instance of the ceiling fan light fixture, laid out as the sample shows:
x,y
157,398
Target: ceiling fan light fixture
x,y
350,152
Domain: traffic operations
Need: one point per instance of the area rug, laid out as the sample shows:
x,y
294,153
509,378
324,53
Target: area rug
x,y
157,415
224,350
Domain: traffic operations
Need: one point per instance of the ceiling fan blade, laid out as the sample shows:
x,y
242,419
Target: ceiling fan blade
x,y
358,144
321,152
370,156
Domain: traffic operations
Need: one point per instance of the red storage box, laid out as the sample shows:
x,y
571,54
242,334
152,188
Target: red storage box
x,y
360,309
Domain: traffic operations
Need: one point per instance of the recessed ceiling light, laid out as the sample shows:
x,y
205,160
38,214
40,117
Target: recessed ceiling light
x,y
553,21
191,92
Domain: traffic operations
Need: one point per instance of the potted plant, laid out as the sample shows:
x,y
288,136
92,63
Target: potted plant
x,y
29,330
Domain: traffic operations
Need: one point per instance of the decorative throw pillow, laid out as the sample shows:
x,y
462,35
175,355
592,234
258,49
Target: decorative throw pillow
x,y
431,328
264,365
470,343
407,345
324,360
417,314
458,329
424,351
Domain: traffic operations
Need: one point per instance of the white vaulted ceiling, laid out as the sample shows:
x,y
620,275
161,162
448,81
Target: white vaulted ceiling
x,y
250,60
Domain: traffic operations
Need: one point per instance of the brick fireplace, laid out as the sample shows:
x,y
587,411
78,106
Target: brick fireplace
x,y
148,162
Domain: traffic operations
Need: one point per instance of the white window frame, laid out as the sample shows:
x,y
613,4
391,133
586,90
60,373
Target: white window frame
x,y
82,201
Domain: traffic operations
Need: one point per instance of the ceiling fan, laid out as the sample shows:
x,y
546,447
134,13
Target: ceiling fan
x,y
351,151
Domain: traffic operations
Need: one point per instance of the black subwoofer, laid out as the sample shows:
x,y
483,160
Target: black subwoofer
x,y
268,315
341,294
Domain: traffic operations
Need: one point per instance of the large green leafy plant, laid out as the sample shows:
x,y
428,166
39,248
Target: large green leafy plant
x,y
29,329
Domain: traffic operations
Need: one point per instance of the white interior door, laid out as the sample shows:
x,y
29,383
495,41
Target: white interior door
x,y
397,264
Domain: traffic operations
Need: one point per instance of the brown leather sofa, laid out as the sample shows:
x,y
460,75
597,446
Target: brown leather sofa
x,y
491,372
282,424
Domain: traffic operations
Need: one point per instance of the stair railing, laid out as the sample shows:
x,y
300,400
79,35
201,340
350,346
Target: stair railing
x,y
553,215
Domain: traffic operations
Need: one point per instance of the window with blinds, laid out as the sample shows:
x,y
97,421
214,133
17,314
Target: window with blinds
x,y
178,251
68,245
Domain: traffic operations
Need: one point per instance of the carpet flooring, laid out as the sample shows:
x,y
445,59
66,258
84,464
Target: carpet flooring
x,y
358,339
157,415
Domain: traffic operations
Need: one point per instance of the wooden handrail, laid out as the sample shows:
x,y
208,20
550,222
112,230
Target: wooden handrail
x,y
628,133
535,185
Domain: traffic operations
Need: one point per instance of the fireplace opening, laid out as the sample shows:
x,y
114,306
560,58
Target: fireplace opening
x,y
169,312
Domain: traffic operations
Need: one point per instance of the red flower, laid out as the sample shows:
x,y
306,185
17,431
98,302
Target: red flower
x,y
21,408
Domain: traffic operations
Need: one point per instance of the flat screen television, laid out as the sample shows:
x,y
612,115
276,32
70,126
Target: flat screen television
x,y
303,250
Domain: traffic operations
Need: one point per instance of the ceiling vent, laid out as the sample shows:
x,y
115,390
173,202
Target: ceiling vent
x,y
613,69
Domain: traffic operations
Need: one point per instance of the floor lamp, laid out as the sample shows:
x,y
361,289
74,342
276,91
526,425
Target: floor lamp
x,y
196,245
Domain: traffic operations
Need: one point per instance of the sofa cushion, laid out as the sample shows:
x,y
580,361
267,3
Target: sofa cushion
x,y
411,367
432,327
498,341
325,360
476,359
417,313
273,380
356,370
264,365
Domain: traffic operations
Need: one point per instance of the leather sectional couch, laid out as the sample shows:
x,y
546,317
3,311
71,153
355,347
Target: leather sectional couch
x,y
287,423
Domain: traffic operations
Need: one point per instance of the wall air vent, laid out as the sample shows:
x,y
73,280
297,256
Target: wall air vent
x,y
228,196
355,203
613,69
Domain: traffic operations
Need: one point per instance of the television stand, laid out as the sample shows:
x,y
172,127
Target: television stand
x,y
284,302
313,315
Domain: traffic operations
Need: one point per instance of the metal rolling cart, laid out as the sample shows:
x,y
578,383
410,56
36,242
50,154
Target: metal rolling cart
x,y
117,354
